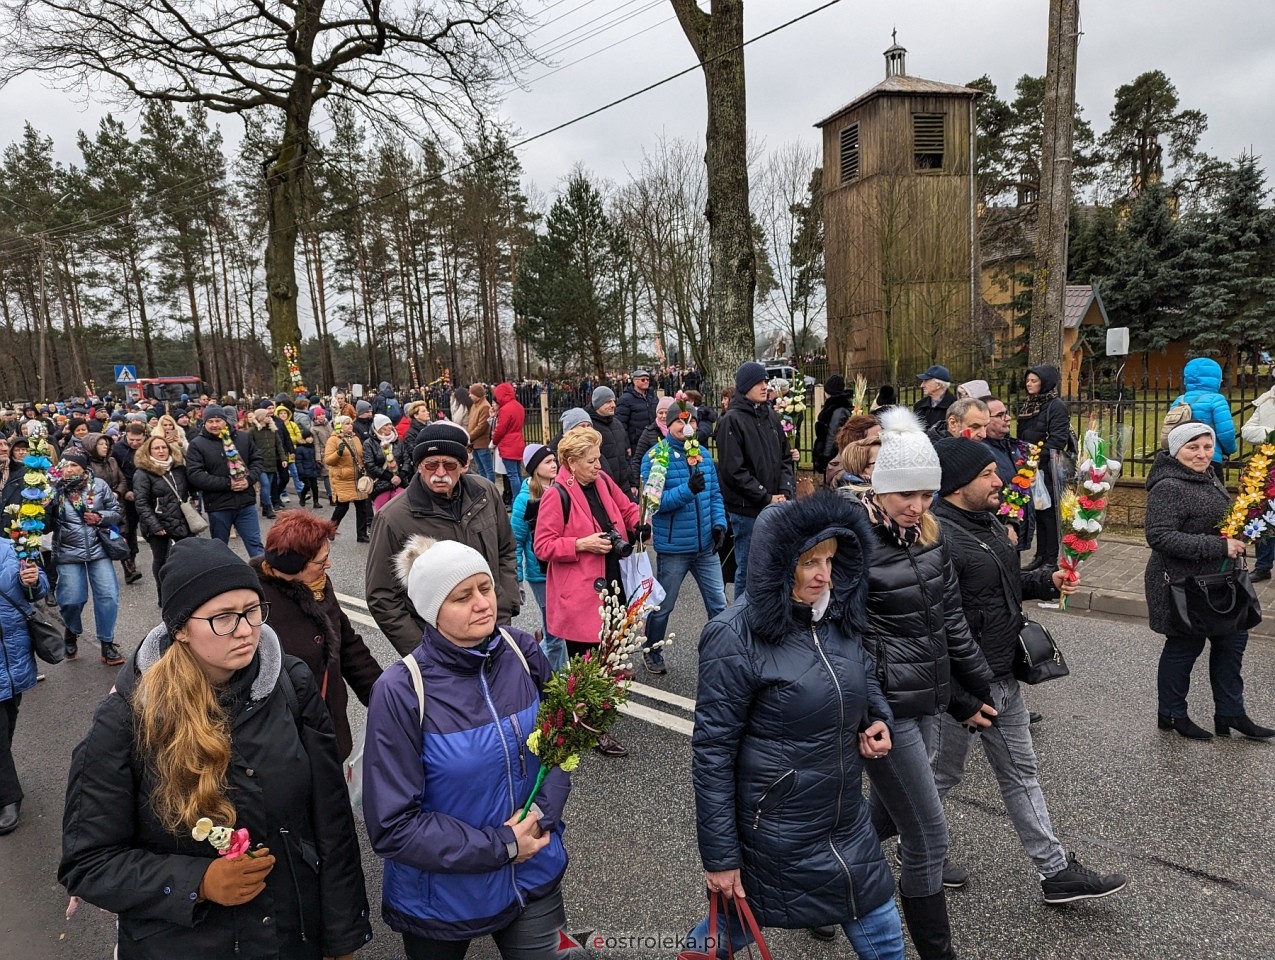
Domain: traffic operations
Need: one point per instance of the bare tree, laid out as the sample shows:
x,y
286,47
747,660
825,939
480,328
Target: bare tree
x,y
404,63
718,41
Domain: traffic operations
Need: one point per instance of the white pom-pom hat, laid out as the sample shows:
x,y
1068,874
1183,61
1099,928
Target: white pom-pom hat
x,y
907,461
431,569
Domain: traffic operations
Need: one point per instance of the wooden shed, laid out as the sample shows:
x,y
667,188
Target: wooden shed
x,y
900,241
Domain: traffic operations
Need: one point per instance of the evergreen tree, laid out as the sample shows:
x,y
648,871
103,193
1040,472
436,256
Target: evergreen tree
x,y
566,296
1232,253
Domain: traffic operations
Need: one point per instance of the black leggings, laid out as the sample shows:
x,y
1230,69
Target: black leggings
x,y
362,515
310,487
533,935
159,553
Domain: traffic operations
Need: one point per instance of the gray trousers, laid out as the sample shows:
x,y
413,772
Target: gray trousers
x,y
1008,747
903,801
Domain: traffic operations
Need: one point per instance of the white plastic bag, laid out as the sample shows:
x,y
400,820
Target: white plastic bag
x,y
1040,492
638,580
353,769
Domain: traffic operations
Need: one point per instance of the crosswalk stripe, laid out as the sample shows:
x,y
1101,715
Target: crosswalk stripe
x,y
658,717
655,693
345,598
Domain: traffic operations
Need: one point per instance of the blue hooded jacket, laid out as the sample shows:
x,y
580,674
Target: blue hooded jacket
x,y
685,521
1202,379
17,663
436,795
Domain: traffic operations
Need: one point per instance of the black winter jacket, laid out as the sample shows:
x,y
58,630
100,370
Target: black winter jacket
x,y
289,792
992,601
1052,425
1184,510
374,465
158,506
930,413
208,472
927,661
635,413
825,441
615,448
650,437
753,459
775,757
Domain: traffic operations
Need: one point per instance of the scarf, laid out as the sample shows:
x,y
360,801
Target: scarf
x,y
1033,404
233,461
903,536
387,448
317,587
161,467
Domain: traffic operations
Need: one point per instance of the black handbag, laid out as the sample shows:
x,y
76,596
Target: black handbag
x,y
113,545
1037,657
1213,604
48,639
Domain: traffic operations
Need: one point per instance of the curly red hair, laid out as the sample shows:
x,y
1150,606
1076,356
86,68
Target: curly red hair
x,y
299,532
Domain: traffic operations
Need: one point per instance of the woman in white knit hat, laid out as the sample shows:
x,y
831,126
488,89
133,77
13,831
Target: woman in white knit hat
x,y
459,863
927,662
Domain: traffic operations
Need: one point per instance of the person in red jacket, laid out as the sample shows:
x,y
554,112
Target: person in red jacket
x,y
507,435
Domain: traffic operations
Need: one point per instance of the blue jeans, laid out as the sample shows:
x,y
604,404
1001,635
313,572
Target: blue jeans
x,y
74,581
904,800
672,570
296,480
1226,661
554,648
1265,555
1008,747
263,482
245,521
482,460
742,527
875,936
513,469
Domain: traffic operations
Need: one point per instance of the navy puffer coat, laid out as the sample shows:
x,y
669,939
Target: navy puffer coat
x,y
775,754
17,663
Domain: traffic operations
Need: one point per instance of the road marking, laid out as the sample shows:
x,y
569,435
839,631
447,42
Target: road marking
x,y
346,598
655,693
658,717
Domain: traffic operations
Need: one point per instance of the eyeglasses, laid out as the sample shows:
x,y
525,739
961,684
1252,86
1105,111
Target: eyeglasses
x,y
321,561
1001,416
431,466
224,624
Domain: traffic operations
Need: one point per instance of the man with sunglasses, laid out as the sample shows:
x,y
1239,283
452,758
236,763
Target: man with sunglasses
x,y
443,501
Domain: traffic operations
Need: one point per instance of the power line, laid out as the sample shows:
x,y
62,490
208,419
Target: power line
x,y
516,145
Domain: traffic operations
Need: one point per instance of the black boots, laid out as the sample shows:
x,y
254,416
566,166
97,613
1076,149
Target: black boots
x,y
267,511
72,641
1185,727
9,817
928,926
131,573
1241,724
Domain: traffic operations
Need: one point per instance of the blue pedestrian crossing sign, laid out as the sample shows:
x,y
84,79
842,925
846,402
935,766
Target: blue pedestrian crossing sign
x,y
125,373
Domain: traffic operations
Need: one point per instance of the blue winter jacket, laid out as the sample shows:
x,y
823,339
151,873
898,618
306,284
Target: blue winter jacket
x,y
1202,379
526,564
684,523
436,797
75,541
17,663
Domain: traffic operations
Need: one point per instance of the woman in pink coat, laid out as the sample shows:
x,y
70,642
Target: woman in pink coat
x,y
581,545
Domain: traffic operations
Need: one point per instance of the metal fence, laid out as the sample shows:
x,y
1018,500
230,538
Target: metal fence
x,y
1104,405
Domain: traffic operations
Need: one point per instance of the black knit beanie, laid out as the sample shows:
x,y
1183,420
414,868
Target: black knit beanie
x,y
962,460
197,570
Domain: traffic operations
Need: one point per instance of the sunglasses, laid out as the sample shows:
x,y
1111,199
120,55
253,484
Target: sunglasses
x,y
432,465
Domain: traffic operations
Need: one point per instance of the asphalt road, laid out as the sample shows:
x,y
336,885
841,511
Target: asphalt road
x,y
1193,825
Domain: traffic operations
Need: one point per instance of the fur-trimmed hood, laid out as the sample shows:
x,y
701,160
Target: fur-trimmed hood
x,y
416,544
785,531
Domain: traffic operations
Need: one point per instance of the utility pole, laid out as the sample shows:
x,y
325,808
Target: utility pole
x,y
1053,205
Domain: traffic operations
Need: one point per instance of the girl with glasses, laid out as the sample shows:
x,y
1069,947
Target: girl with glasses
x,y
210,719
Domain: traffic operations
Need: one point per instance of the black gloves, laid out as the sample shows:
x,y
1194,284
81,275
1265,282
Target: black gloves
x,y
697,482
719,537
642,532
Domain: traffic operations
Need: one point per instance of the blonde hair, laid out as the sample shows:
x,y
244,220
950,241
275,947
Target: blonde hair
x,y
184,736
576,444
930,532
823,547
855,455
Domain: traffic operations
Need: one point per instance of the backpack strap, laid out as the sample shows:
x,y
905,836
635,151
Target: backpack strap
x,y
290,696
418,684
517,649
566,502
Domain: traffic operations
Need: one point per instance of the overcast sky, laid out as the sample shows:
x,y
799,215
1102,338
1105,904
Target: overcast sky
x,y
1221,57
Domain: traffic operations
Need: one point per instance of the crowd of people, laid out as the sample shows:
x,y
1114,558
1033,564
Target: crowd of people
x,y
872,630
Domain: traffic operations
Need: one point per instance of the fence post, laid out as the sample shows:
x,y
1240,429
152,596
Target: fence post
x,y
544,416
